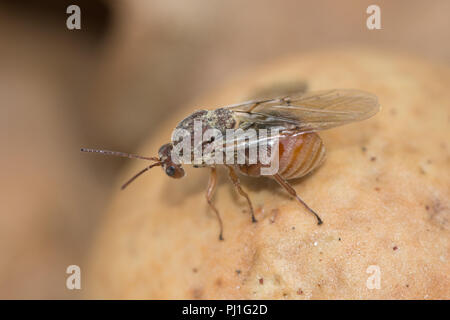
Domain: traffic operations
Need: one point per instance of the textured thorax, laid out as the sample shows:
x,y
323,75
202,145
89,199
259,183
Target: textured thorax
x,y
220,119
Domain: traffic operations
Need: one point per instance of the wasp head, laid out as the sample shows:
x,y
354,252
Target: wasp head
x,y
172,169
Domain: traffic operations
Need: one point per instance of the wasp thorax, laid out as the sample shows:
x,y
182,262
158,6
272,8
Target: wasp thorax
x,y
172,169
220,119
191,131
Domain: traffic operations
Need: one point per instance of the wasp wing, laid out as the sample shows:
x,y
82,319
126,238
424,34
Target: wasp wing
x,y
308,112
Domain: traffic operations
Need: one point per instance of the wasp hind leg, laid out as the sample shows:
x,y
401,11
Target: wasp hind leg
x,y
293,193
209,195
237,183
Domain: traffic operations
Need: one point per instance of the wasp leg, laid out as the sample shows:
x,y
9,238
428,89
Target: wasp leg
x,y
254,106
235,179
209,194
293,193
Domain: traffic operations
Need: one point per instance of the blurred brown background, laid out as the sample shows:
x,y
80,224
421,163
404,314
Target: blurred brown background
x,y
111,83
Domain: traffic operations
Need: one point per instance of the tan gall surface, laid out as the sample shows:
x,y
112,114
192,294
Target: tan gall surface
x,y
383,193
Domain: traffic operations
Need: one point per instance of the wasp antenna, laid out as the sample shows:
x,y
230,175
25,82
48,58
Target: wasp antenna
x,y
119,154
139,173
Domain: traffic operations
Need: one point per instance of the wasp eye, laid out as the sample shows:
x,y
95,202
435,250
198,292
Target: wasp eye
x,y
170,171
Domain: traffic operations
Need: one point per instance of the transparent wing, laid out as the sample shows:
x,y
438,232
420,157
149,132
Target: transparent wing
x,y
308,112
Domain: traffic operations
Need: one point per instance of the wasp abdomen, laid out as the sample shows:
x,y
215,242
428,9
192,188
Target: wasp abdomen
x,y
299,154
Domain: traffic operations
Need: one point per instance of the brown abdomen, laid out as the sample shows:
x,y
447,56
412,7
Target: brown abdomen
x,y
298,155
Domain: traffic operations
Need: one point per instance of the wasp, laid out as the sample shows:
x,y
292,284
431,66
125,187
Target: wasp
x,y
297,118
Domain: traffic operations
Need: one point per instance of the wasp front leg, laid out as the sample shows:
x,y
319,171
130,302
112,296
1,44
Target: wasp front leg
x,y
237,183
212,183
